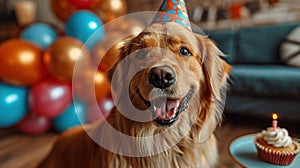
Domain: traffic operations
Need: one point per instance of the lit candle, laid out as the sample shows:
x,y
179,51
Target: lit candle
x,y
274,123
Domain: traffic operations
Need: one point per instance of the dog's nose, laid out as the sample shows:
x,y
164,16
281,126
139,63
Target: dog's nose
x,y
162,77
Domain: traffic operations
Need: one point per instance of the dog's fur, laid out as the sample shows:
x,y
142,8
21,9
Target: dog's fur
x,y
204,71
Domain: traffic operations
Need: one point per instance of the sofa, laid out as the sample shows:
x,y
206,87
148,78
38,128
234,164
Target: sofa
x,y
260,82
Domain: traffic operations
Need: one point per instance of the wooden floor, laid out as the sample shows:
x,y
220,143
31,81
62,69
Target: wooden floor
x,y
22,151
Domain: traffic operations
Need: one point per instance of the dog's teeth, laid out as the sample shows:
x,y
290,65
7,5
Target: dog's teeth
x,y
154,108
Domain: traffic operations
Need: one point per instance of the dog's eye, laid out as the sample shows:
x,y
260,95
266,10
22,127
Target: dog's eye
x,y
184,52
140,54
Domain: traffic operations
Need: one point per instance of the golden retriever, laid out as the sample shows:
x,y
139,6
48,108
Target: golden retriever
x,y
168,85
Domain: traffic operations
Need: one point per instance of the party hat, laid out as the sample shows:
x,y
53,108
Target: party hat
x,y
173,11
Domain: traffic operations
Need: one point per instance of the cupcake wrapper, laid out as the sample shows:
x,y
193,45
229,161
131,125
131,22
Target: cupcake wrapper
x,y
275,157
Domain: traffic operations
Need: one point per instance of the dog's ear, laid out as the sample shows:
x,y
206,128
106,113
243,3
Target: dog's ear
x,y
216,69
118,72
216,72
119,52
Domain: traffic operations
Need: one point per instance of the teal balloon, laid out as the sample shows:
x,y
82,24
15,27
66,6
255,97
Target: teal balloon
x,y
13,104
74,115
85,26
39,33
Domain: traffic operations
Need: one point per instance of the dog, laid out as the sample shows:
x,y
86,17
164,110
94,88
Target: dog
x,y
174,81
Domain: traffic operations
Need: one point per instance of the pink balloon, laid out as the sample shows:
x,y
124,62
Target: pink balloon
x,y
100,111
33,124
49,98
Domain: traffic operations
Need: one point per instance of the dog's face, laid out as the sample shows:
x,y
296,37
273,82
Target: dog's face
x,y
170,74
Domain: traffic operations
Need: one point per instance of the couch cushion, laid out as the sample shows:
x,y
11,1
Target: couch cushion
x,y
226,42
290,48
261,45
265,80
287,109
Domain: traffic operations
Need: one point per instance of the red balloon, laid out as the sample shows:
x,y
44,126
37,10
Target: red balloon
x,y
100,111
63,9
33,124
49,98
82,4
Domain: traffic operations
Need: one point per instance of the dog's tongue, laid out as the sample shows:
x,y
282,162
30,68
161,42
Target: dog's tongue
x,y
166,109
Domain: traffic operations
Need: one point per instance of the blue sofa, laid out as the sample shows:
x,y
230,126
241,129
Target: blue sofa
x,y
260,82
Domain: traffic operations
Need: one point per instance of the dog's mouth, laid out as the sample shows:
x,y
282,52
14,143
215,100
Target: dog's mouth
x,y
165,111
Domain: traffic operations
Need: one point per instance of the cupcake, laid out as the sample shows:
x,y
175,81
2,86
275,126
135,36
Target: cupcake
x,y
276,146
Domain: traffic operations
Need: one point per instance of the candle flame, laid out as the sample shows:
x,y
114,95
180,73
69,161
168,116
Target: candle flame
x,y
274,116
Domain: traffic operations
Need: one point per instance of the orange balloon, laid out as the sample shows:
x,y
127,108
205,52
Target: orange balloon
x,y
20,62
63,9
110,9
102,86
62,56
91,85
131,26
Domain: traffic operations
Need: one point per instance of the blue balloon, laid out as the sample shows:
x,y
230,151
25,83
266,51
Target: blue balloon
x,y
74,115
85,26
13,104
39,33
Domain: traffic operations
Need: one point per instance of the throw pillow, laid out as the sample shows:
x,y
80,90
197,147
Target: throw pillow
x,y
290,48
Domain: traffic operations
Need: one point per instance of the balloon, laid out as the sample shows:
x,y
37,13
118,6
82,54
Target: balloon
x,y
62,55
13,104
101,110
20,62
63,9
82,4
83,87
74,115
106,105
39,33
110,9
34,124
93,113
132,26
102,86
49,98
85,26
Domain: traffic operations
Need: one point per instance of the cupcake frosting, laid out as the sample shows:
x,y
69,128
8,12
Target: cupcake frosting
x,y
278,137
